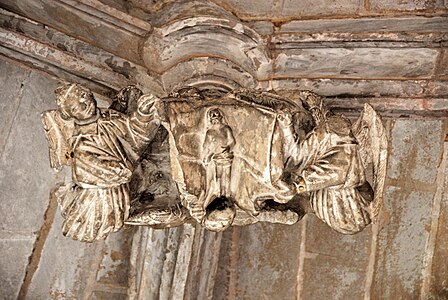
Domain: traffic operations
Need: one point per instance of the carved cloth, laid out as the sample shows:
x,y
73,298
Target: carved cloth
x,y
329,162
98,202
256,162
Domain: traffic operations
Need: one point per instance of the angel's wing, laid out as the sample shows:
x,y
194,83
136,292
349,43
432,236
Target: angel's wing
x,y
56,131
372,139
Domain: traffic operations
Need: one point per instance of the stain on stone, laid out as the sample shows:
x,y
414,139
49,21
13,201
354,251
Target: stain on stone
x,y
61,46
126,70
115,255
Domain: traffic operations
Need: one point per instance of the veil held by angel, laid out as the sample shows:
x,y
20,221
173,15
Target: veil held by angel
x,y
215,158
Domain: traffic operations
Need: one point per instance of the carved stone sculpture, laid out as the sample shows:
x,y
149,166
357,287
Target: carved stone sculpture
x,y
219,159
101,147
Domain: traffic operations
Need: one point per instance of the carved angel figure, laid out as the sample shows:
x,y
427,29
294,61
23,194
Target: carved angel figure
x,y
329,165
101,147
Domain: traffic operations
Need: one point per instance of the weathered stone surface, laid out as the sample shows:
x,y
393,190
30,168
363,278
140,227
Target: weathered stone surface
x,y
114,265
13,261
88,26
415,150
439,270
407,5
401,243
334,260
361,88
101,295
224,271
365,25
203,270
64,266
356,63
250,9
25,176
291,8
442,67
153,263
268,261
12,79
349,249
204,36
328,278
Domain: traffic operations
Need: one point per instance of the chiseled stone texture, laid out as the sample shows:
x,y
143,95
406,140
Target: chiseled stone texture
x,y
268,261
294,8
439,274
114,263
334,260
59,268
402,244
64,266
356,63
415,150
13,261
25,176
406,5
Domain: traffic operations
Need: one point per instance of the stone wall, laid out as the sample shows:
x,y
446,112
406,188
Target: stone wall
x,y
392,54
36,261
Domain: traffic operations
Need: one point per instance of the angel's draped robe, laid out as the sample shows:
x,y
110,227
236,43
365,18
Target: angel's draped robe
x,y
329,162
103,154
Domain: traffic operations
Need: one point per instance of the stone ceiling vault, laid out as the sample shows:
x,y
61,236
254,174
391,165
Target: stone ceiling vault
x,y
392,57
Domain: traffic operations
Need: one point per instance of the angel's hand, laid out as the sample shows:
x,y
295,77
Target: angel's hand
x,y
146,103
285,119
285,192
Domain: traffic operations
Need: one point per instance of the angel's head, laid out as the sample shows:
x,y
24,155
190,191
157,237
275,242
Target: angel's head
x,y
75,101
215,116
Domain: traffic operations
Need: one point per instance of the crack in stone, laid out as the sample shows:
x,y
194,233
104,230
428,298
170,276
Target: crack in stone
x,y
19,97
41,238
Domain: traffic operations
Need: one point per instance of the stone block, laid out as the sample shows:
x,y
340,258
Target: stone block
x,y
268,261
360,88
25,175
328,278
114,265
101,295
249,9
12,79
224,270
439,275
63,17
64,266
402,238
14,254
348,249
362,63
334,260
442,66
405,5
415,150
366,25
294,8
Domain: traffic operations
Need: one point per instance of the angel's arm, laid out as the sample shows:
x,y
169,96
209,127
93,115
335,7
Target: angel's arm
x,y
144,122
328,160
